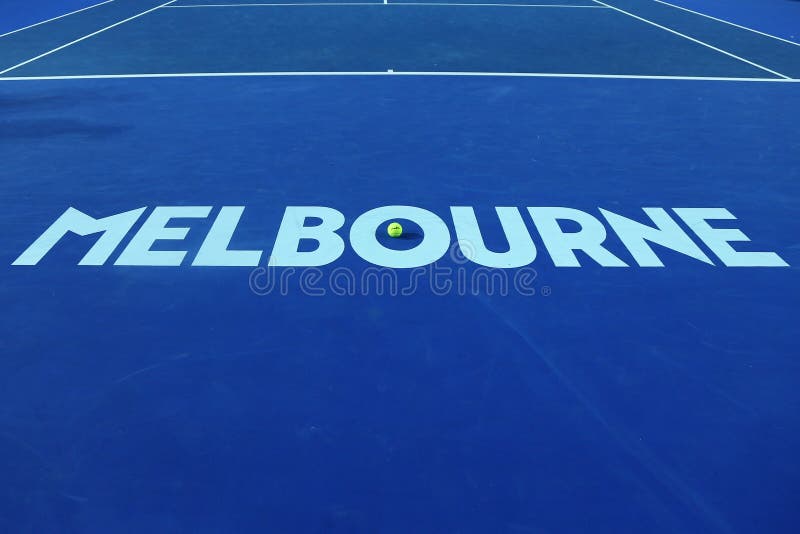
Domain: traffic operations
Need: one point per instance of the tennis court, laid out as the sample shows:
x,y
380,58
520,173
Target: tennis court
x,y
589,323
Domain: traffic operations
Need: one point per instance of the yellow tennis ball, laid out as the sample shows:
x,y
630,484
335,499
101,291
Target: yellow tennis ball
x,y
395,230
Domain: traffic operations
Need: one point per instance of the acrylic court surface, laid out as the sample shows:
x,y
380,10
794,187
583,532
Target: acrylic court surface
x,y
588,324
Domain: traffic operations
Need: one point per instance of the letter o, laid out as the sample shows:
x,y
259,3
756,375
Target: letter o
x,y
435,241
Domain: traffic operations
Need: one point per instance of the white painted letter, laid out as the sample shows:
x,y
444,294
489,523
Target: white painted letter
x,y
435,241
667,233
292,230
214,250
521,250
717,239
561,245
113,229
155,229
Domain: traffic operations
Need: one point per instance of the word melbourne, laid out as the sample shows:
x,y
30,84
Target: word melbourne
x,y
562,231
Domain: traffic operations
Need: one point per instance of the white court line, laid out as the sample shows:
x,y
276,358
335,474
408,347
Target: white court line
x,y
55,18
191,6
62,47
582,6
395,73
721,51
728,22
385,2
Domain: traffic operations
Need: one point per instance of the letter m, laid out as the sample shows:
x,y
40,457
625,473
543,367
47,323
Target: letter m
x,y
112,228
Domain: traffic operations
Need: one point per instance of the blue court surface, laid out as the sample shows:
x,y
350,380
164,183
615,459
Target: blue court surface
x,y
589,324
